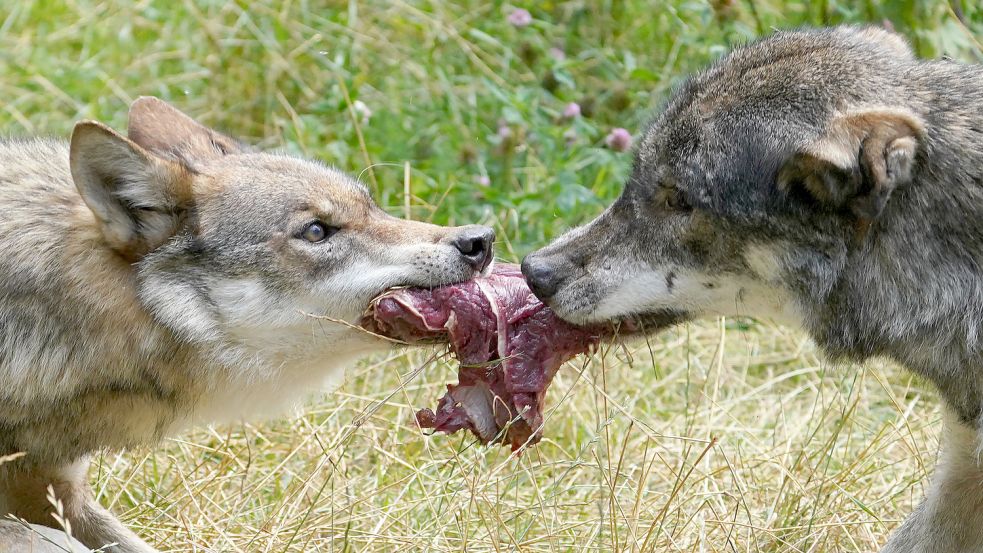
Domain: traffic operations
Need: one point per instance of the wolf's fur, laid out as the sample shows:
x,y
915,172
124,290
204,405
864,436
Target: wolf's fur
x,y
825,178
152,282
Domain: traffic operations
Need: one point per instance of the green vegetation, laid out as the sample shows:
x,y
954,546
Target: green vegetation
x,y
804,457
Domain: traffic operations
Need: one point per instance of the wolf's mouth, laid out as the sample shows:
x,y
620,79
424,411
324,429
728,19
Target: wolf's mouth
x,y
429,283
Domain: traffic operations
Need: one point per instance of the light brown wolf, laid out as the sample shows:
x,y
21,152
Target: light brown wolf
x,y
167,278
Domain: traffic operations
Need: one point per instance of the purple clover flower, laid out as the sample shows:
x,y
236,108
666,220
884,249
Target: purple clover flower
x,y
618,140
520,18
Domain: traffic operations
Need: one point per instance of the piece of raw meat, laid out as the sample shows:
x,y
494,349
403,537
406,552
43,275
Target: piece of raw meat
x,y
509,344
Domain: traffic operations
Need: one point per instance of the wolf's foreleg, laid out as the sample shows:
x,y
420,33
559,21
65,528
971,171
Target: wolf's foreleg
x,y
950,518
97,527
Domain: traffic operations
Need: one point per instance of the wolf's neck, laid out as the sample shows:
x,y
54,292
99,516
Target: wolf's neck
x,y
915,292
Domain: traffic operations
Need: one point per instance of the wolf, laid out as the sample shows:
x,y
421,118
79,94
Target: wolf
x,y
823,178
173,277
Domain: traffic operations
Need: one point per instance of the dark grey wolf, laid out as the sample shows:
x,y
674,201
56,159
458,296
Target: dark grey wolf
x,y
167,278
827,179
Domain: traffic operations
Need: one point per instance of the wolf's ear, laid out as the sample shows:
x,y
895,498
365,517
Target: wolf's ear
x,y
137,198
163,129
858,162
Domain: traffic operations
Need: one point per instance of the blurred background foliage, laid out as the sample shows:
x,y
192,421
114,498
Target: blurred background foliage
x,y
471,101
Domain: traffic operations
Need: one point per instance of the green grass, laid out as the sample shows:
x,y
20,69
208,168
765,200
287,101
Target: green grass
x,y
718,436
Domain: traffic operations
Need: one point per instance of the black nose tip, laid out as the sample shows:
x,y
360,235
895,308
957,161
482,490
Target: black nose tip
x,y
475,243
541,277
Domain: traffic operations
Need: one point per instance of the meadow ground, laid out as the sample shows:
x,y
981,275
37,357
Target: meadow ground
x,y
727,435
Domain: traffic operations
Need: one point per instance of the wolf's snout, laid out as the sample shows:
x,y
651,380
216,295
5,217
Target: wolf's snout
x,y
475,244
542,277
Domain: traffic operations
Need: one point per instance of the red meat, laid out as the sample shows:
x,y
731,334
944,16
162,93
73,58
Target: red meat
x,y
509,344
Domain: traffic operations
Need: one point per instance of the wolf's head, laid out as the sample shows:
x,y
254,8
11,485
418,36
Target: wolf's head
x,y
750,189
244,247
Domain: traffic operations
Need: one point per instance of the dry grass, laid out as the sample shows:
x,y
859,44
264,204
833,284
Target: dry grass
x,y
709,438
719,436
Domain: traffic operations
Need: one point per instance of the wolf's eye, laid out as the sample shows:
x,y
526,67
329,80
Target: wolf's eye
x,y
317,232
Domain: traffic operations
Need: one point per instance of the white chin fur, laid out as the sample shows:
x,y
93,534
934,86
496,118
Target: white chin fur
x,y
280,349
277,389
701,295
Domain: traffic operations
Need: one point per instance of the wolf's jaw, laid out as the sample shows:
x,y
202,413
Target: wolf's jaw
x,y
651,322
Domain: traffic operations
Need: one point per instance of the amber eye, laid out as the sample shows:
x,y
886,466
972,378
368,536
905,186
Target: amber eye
x,y
676,201
317,232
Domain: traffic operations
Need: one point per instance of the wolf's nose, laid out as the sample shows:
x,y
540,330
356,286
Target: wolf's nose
x,y
542,278
475,244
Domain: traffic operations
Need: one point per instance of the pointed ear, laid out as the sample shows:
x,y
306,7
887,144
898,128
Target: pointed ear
x,y
137,198
161,128
858,162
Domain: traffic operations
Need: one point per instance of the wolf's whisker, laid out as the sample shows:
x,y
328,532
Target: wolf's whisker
x,y
354,327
